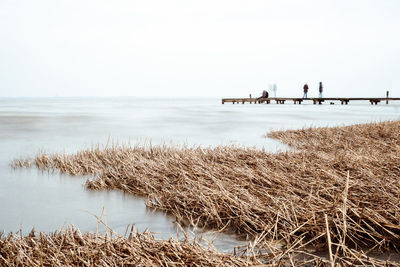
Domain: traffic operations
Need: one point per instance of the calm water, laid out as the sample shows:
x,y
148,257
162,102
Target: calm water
x,y
48,201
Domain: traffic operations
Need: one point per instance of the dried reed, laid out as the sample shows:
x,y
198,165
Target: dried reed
x,y
282,197
73,248
21,163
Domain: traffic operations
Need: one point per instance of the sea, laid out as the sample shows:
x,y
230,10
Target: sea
x,y
50,201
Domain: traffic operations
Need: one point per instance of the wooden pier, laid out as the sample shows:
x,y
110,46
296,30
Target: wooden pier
x,y
282,100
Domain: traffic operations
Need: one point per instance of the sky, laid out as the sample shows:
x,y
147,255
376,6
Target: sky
x,y
208,48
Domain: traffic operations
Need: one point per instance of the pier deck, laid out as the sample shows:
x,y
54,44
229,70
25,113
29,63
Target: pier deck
x,y
282,100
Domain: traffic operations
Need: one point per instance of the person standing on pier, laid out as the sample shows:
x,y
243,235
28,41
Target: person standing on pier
x,y
321,88
305,90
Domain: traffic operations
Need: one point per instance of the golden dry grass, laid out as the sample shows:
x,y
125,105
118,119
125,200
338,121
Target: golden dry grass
x,y
73,248
348,174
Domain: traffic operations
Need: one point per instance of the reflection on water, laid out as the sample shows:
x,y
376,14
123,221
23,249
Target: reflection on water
x,y
47,201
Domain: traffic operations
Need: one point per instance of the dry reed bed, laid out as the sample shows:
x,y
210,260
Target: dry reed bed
x,y
282,196
72,248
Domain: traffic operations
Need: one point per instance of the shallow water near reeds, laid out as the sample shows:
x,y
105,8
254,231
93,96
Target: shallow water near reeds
x,y
47,201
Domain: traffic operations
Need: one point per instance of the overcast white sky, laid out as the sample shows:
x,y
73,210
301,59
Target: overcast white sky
x,y
215,48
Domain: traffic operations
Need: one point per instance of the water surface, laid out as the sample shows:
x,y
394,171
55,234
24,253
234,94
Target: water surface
x,y
47,201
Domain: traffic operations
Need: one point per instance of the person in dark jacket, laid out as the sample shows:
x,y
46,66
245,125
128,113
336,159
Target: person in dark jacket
x,y
264,94
305,87
321,88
